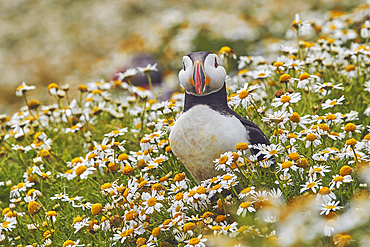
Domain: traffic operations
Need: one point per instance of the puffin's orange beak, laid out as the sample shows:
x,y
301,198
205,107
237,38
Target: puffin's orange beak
x,y
199,79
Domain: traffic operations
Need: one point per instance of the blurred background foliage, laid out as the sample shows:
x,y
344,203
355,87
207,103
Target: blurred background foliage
x,y
77,41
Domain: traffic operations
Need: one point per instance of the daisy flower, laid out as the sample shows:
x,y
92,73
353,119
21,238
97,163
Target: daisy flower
x,y
280,117
116,133
318,170
247,191
148,68
243,61
326,194
260,74
285,100
312,139
338,180
224,161
327,87
331,103
196,242
128,73
268,151
79,223
244,96
327,207
245,207
150,202
122,235
22,88
70,243
60,196
8,225
311,184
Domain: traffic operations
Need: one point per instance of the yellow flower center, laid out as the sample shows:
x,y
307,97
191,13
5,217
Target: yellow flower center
x,y
68,242
243,94
317,169
189,226
227,177
5,224
194,241
286,164
345,170
80,170
261,74
295,117
33,207
350,68
216,187
96,208
97,91
311,137
285,99
224,49
331,117
122,157
242,146
51,213
350,127
367,137
304,76
179,196
351,142
152,201
284,78
201,190
127,170
246,190
310,185
52,85
156,231
333,102
215,228
324,191
245,204
293,156
223,160
106,186
273,152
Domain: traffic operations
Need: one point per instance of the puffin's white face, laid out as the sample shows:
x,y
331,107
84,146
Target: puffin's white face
x,y
202,73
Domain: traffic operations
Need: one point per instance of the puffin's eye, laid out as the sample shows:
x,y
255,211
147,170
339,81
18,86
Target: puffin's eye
x,y
216,64
183,66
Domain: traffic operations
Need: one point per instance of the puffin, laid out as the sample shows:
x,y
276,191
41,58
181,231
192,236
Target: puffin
x,y
208,127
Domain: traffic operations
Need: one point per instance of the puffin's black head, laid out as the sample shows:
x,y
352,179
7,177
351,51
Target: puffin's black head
x,y
202,73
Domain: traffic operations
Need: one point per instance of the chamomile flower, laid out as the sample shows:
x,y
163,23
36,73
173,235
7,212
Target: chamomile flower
x,y
285,100
331,103
148,68
247,191
116,133
327,207
150,202
127,74
338,180
268,151
196,242
311,184
326,194
23,88
245,207
318,170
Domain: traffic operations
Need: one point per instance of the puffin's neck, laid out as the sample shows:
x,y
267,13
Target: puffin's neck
x,y
217,101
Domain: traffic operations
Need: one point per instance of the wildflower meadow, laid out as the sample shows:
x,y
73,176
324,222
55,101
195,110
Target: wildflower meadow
x,y
97,170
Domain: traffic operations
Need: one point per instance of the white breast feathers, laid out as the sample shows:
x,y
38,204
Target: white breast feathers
x,y
200,135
